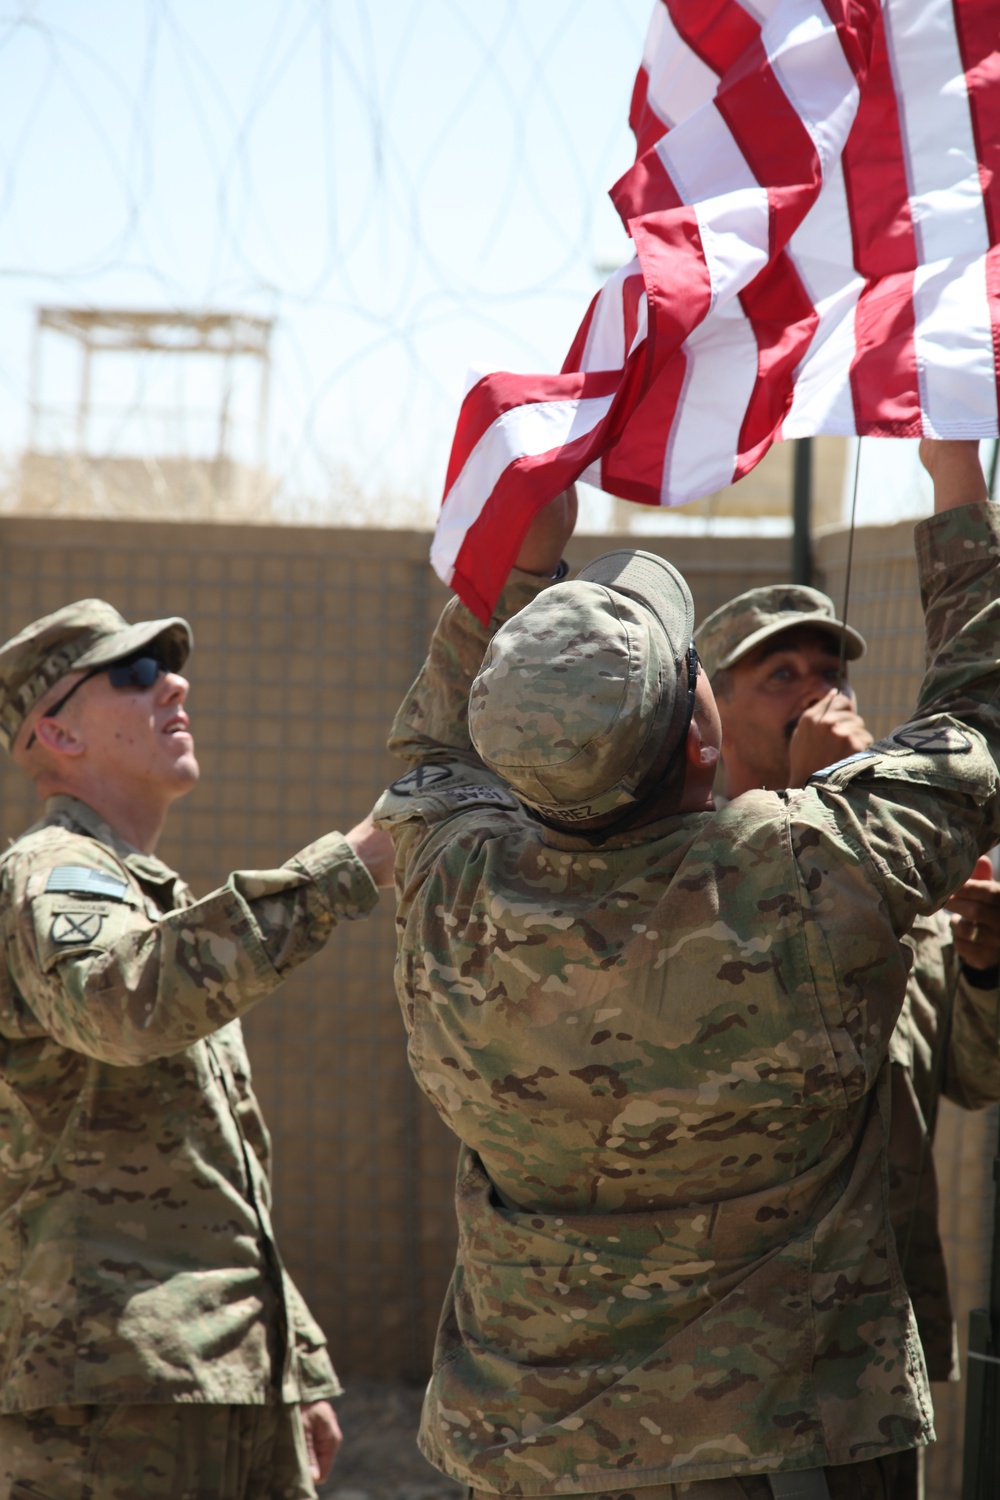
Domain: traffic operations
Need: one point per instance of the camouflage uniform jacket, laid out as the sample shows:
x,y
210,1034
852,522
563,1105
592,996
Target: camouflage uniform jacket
x,y
665,1057
946,1042
137,1258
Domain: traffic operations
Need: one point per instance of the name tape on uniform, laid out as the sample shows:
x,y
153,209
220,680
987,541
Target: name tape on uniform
x,y
495,796
438,781
81,880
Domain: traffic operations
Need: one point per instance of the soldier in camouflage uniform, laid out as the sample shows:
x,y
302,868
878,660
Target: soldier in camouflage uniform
x,y
773,658
661,1031
151,1343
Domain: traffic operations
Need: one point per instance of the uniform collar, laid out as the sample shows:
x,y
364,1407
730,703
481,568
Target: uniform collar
x,y
677,827
70,812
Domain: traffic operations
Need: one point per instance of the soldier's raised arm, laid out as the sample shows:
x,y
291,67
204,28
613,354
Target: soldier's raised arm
x,y
103,977
434,716
922,802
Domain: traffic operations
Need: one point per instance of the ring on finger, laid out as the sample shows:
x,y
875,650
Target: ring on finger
x,y
974,934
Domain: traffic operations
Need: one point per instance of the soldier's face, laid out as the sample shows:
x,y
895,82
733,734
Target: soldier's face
x,y
141,737
770,689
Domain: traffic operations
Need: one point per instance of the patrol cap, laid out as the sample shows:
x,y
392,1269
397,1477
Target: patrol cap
x,y
577,703
89,633
734,630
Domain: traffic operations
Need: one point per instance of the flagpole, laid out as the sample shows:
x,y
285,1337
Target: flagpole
x,y
981,1457
802,512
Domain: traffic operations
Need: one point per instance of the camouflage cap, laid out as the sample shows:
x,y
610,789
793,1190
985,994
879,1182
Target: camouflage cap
x,y
89,633
737,627
578,697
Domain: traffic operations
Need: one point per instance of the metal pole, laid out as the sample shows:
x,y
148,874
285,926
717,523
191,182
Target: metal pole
x,y
264,402
83,405
802,512
981,1456
35,379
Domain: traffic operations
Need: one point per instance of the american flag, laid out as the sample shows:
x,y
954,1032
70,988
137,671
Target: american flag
x,y
815,212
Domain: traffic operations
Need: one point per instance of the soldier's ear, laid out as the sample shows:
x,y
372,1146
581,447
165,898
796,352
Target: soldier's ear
x,y
697,751
59,738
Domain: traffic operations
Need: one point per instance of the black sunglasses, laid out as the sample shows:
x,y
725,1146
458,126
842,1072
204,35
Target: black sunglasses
x,y
139,671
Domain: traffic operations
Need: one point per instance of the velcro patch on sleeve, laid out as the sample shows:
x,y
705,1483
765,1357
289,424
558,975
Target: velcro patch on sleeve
x,y
476,796
82,880
933,739
80,928
938,751
433,791
838,765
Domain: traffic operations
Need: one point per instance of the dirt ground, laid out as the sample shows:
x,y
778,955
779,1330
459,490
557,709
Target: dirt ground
x,y
379,1458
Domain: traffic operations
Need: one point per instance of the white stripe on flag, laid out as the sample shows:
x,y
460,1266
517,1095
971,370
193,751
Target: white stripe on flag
x,y
958,390
676,74
704,439
821,249
702,159
734,240
605,346
524,431
710,172
807,59
945,191
761,10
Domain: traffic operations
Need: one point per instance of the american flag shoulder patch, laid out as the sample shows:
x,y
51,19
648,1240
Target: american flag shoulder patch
x,y
82,880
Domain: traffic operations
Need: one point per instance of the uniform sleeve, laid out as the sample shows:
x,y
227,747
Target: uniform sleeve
x,y
921,805
434,715
890,833
104,978
972,1072
432,726
313,1376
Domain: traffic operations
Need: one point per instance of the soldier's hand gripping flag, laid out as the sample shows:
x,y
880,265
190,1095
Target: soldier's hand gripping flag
x,y
815,211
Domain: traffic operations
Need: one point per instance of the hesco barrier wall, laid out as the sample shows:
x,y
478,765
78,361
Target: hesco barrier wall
x,y
306,640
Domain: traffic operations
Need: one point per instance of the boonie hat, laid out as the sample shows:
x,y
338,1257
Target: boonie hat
x,y
89,633
579,696
730,632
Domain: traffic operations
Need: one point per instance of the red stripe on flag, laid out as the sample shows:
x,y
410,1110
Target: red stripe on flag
x,y
632,463
491,543
884,383
977,25
502,392
646,188
574,357
677,280
645,123
978,31
717,31
770,134
784,320
679,295
878,193
884,379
